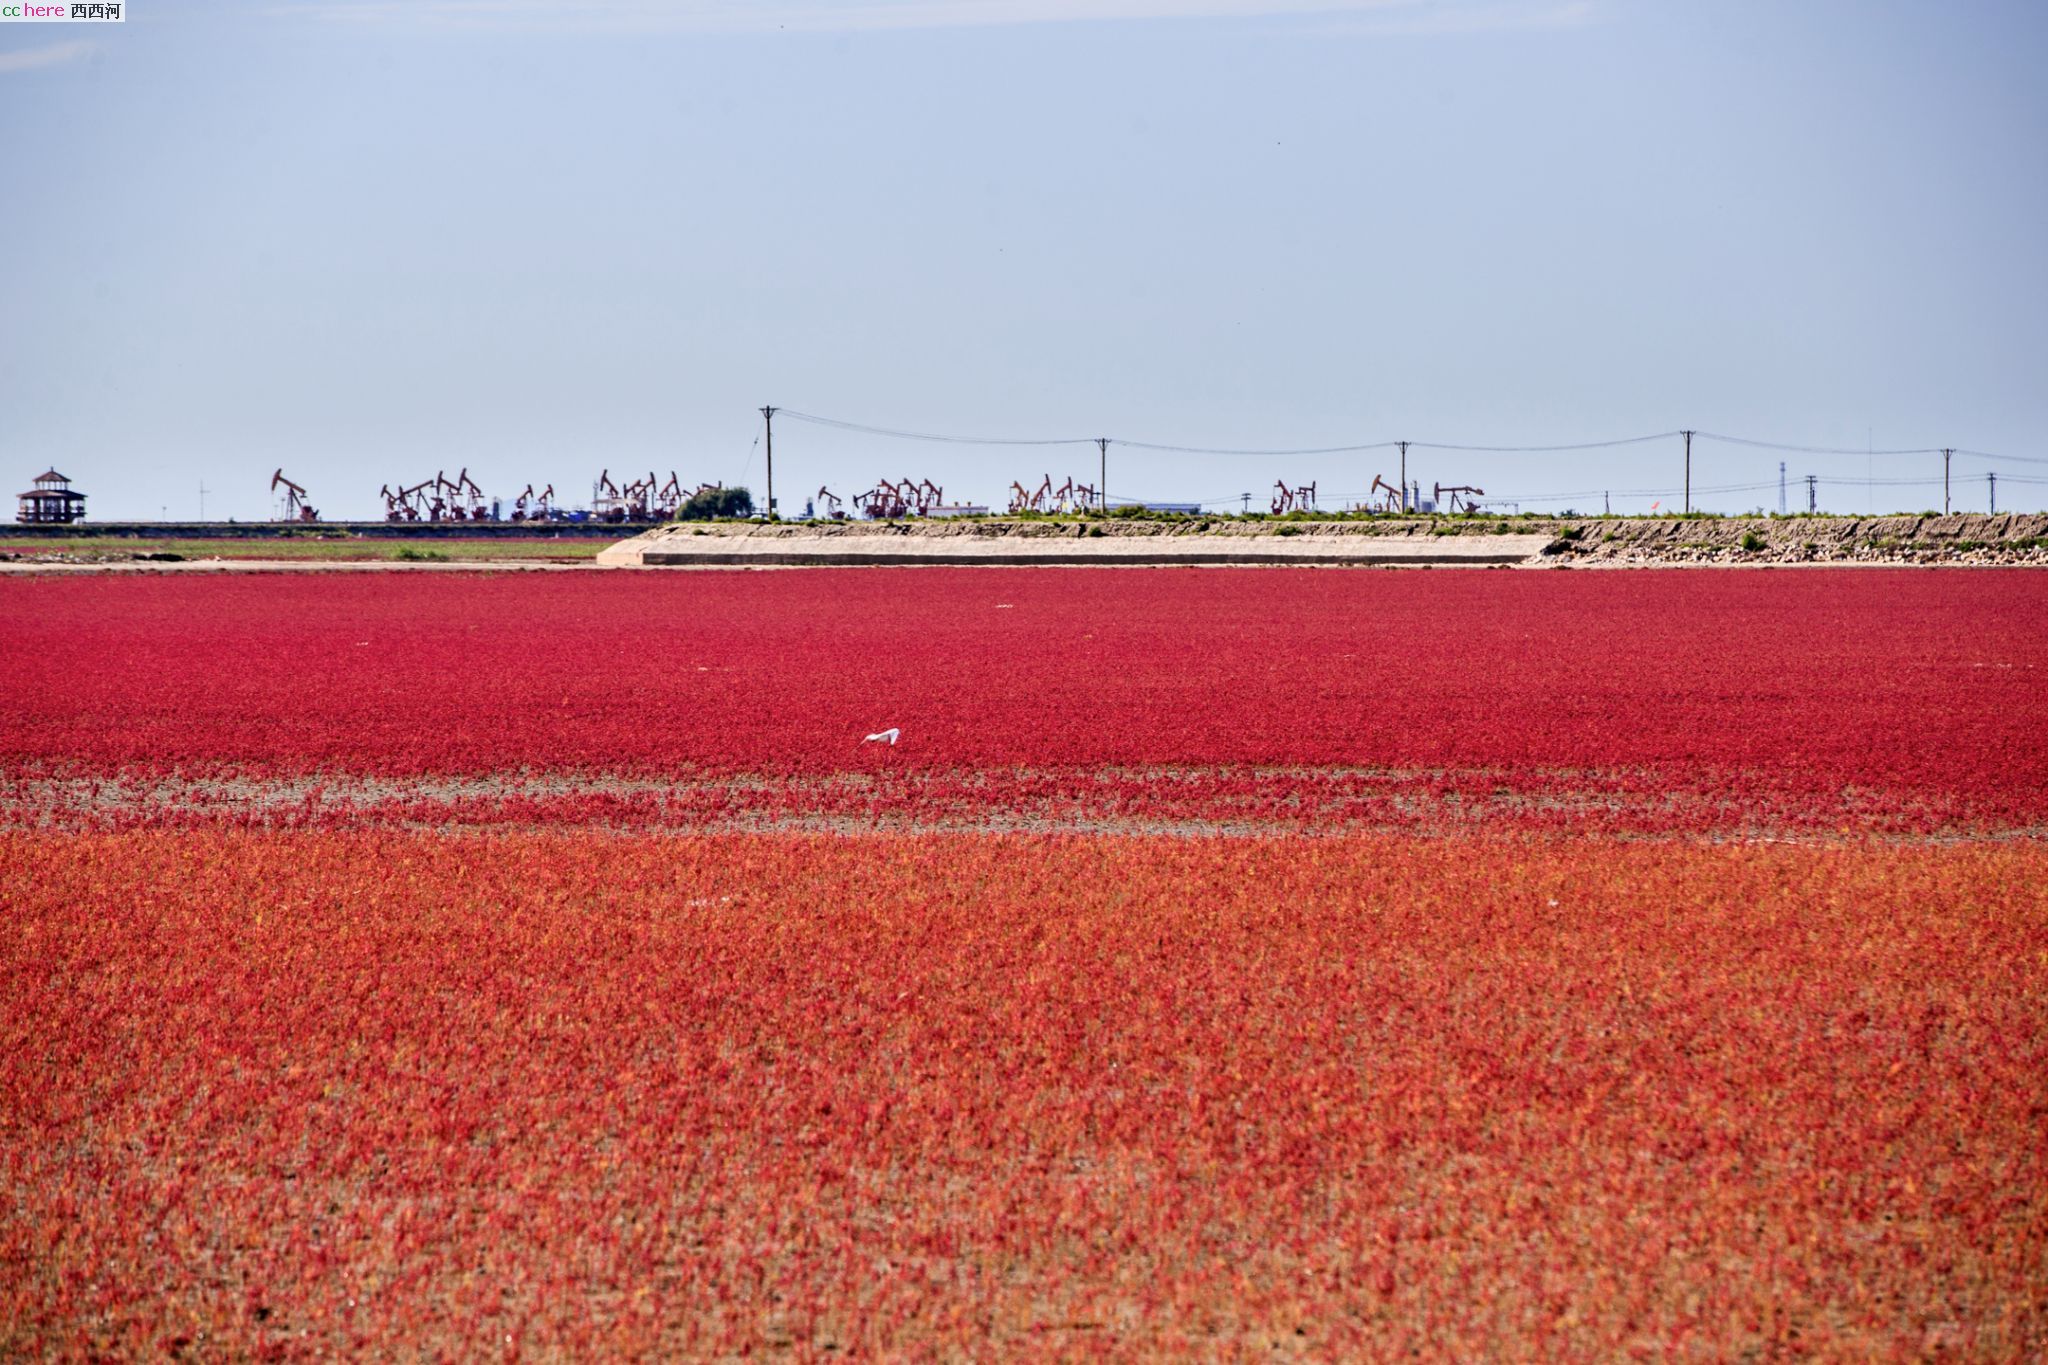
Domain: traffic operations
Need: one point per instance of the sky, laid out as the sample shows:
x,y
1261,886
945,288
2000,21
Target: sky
x,y
365,240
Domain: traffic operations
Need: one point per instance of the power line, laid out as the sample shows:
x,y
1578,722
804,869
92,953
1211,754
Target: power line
x,y
1216,450
1102,444
931,436
1337,496
1545,450
1166,448
1987,455
1357,447
1851,450
1812,450
1631,492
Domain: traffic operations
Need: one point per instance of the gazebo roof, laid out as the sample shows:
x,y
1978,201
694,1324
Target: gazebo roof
x,y
52,476
61,494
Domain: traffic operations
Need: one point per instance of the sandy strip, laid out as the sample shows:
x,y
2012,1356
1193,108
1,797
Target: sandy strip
x,y
296,566
728,551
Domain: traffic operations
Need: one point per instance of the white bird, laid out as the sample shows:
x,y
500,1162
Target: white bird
x,y
887,736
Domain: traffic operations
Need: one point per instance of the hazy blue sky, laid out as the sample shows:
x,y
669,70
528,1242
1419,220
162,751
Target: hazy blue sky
x,y
364,239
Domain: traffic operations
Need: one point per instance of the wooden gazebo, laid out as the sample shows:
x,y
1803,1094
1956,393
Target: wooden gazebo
x,y
51,500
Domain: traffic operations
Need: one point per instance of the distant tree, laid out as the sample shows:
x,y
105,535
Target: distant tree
x,y
717,502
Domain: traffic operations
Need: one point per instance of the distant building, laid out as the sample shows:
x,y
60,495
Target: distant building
x,y
51,500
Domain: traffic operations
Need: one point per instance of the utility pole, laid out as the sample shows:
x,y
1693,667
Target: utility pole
x,y
1102,489
768,418
1404,477
1945,454
202,500
1607,504
1781,488
1811,504
1247,503
1688,471
1994,493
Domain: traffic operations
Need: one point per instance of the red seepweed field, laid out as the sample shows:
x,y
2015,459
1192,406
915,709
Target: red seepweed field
x,y
1672,702
1315,962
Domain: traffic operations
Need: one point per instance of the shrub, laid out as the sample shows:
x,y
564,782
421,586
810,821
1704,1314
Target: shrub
x,y
717,502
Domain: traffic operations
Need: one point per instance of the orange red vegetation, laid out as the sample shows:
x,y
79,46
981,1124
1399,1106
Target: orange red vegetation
x,y
374,1093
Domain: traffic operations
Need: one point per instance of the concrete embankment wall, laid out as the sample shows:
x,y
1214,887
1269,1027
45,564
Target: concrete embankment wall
x,y
1963,538
1973,537
707,548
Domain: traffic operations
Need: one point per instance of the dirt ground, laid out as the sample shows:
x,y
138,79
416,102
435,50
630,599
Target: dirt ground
x,y
293,551
1188,801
